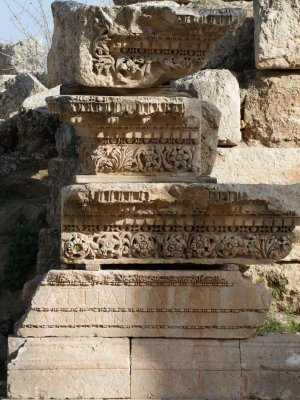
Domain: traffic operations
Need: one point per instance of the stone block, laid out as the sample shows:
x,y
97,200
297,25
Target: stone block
x,y
277,44
185,369
38,100
271,112
61,171
214,304
25,56
59,368
49,245
271,367
221,88
139,45
167,223
253,165
17,89
134,137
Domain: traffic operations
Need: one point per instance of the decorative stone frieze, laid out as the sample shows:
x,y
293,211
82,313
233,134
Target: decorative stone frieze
x,y
140,45
171,223
137,135
122,303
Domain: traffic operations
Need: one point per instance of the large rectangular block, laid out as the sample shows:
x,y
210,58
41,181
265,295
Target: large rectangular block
x,y
169,223
68,368
271,367
277,42
140,45
207,304
185,369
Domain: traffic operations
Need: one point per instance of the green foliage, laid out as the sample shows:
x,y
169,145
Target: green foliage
x,y
273,326
22,254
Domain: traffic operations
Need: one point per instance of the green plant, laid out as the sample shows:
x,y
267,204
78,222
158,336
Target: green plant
x,y
22,254
273,326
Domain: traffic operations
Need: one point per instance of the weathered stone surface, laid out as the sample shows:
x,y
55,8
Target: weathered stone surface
x,y
139,45
219,87
17,90
257,165
30,288
25,56
271,367
39,100
210,122
66,142
86,368
61,171
284,279
215,304
272,110
177,223
185,369
8,135
156,137
36,132
277,34
3,79
48,255
236,52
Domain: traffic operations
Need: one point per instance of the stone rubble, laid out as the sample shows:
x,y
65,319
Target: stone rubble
x,y
25,56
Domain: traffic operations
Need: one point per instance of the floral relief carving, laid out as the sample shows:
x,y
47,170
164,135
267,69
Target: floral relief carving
x,y
173,245
143,245
143,158
77,247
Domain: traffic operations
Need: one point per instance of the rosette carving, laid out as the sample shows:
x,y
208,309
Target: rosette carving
x,y
174,245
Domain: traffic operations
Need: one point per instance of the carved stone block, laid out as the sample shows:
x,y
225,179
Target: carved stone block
x,y
59,368
139,136
139,45
215,304
173,223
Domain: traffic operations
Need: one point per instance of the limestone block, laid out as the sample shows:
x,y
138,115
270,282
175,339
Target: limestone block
x,y
39,100
36,132
112,223
252,165
61,171
271,113
277,44
183,304
219,87
61,368
139,45
156,137
66,142
185,369
17,89
48,255
271,367
25,56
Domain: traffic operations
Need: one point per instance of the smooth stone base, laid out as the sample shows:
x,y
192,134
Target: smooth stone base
x,y
266,367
